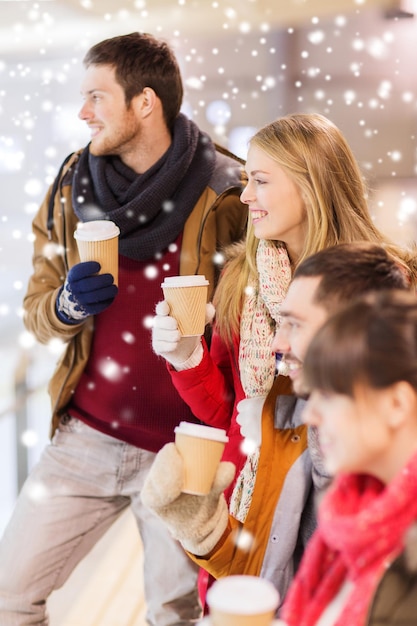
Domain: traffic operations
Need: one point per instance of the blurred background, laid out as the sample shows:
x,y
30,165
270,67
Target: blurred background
x,y
244,63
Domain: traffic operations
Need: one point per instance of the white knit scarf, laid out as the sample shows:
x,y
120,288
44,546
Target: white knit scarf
x,y
260,317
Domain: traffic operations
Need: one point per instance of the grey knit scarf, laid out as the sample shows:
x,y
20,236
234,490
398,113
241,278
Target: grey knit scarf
x,y
151,208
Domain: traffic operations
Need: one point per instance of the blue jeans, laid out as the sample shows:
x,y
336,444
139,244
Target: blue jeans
x,y
82,483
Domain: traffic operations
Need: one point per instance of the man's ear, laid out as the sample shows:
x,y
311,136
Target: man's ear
x,y
144,103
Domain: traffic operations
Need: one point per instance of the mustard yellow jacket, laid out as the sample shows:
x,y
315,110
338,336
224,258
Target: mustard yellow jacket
x,y
281,516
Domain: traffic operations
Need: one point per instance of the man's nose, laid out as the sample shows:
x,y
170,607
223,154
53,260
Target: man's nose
x,y
84,112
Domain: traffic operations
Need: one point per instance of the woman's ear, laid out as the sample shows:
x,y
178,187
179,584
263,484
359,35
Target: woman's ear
x,y
402,403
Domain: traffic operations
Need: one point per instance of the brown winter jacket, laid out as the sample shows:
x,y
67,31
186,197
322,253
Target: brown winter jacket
x,y
217,220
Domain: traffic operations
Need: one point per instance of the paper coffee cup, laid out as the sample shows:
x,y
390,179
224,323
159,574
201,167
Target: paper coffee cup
x,y
242,601
201,448
187,299
99,241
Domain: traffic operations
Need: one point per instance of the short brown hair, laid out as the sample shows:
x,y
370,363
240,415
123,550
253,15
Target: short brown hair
x,y
142,61
349,270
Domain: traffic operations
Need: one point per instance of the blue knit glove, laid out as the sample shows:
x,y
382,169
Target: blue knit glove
x,y
85,293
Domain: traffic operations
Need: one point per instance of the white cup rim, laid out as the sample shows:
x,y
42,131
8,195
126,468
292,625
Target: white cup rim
x,y
200,430
243,595
193,280
96,230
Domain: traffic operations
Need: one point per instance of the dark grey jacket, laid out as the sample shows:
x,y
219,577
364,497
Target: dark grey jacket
x,y
395,600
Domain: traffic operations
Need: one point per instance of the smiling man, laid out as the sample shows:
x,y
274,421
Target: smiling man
x,y
301,317
323,284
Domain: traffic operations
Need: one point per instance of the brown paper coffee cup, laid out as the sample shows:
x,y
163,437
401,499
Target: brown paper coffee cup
x,y
219,618
201,448
187,299
99,241
242,601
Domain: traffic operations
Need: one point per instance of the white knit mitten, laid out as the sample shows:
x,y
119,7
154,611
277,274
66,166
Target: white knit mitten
x,y
198,522
183,353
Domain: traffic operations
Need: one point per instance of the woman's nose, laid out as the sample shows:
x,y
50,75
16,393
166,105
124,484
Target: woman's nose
x,y
280,342
311,412
247,194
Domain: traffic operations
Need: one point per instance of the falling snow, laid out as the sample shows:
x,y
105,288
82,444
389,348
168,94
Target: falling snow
x,y
354,67
254,71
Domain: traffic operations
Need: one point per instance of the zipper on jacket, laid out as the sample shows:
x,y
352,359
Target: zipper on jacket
x,y
55,188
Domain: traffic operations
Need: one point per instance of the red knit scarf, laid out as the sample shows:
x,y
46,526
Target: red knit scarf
x,y
361,528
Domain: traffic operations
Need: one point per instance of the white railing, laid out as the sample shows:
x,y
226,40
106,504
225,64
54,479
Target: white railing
x,y
24,421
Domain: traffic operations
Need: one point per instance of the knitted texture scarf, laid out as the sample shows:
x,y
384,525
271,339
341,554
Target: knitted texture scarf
x,y
362,525
260,316
151,208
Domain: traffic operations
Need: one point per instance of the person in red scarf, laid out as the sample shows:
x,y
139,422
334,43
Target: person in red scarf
x,y
360,567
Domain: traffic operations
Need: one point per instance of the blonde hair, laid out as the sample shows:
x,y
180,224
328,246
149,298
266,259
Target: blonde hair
x,y
316,156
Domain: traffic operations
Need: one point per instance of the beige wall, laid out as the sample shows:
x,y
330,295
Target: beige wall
x,y
263,59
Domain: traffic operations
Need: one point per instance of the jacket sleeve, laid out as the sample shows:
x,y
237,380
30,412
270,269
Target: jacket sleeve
x,y
208,388
49,271
219,562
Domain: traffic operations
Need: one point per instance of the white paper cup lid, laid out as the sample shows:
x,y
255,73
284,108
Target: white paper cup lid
x,y
243,595
96,230
195,280
204,432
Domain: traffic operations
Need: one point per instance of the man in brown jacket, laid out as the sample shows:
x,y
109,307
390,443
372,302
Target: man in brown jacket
x,y
175,199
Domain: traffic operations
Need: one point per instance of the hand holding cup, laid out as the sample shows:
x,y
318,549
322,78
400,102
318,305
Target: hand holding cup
x,y
198,522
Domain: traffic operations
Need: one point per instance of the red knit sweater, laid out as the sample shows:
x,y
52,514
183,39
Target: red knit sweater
x,y
125,390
